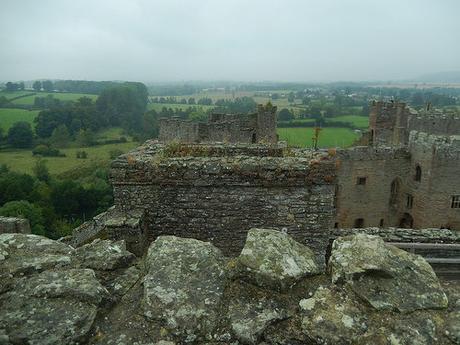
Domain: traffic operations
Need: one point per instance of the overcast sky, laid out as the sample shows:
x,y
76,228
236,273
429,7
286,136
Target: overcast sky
x,y
249,40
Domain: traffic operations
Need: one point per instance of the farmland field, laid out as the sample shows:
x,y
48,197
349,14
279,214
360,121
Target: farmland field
x,y
328,137
23,161
57,95
9,116
159,106
357,121
13,94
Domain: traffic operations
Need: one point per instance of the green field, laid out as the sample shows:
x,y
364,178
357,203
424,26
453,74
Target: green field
x,y
60,96
13,94
328,137
23,160
159,106
357,121
9,116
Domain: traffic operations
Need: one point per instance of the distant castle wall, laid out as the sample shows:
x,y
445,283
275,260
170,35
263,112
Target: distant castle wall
x,y
14,225
259,127
408,173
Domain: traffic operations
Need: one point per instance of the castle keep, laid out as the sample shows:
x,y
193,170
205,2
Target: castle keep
x,y
214,181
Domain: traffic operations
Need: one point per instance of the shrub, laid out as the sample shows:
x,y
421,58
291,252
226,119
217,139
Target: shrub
x,y
82,154
47,151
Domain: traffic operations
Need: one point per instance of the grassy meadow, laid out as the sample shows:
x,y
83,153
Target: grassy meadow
x,y
9,116
328,137
61,96
357,121
159,106
23,161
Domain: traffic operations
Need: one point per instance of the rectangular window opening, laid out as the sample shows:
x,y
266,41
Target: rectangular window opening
x,y
409,201
361,181
359,223
455,201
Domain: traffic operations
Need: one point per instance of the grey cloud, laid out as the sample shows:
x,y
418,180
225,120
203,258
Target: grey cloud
x,y
292,40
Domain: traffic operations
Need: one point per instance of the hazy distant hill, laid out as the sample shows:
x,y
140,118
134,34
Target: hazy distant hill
x,y
440,77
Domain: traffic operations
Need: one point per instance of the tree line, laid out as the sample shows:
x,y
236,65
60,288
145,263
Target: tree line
x,y
122,106
53,206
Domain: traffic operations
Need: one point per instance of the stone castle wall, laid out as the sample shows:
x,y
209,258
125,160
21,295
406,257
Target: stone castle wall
x,y
435,122
439,160
259,127
369,200
14,225
219,198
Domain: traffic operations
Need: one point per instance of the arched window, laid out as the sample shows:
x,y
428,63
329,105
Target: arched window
x,y
395,191
418,173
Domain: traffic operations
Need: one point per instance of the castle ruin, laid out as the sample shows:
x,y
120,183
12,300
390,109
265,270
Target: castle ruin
x,y
258,127
214,183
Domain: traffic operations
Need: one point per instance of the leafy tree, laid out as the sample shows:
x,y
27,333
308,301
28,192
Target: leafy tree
x,y
20,135
41,170
291,97
123,105
15,186
205,101
85,138
285,115
191,100
47,85
11,86
25,209
150,124
4,101
21,86
60,136
37,85
1,134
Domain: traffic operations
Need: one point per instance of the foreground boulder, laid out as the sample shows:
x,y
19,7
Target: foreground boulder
x,y
184,291
103,255
253,310
385,276
53,307
22,254
332,317
184,285
275,260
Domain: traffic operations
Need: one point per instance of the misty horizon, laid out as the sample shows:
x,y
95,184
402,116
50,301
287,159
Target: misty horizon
x,y
182,41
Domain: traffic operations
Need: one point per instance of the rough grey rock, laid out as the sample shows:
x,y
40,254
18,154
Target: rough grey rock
x,y
252,310
22,254
184,285
103,255
417,331
332,317
53,307
453,327
273,259
189,295
121,284
385,276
